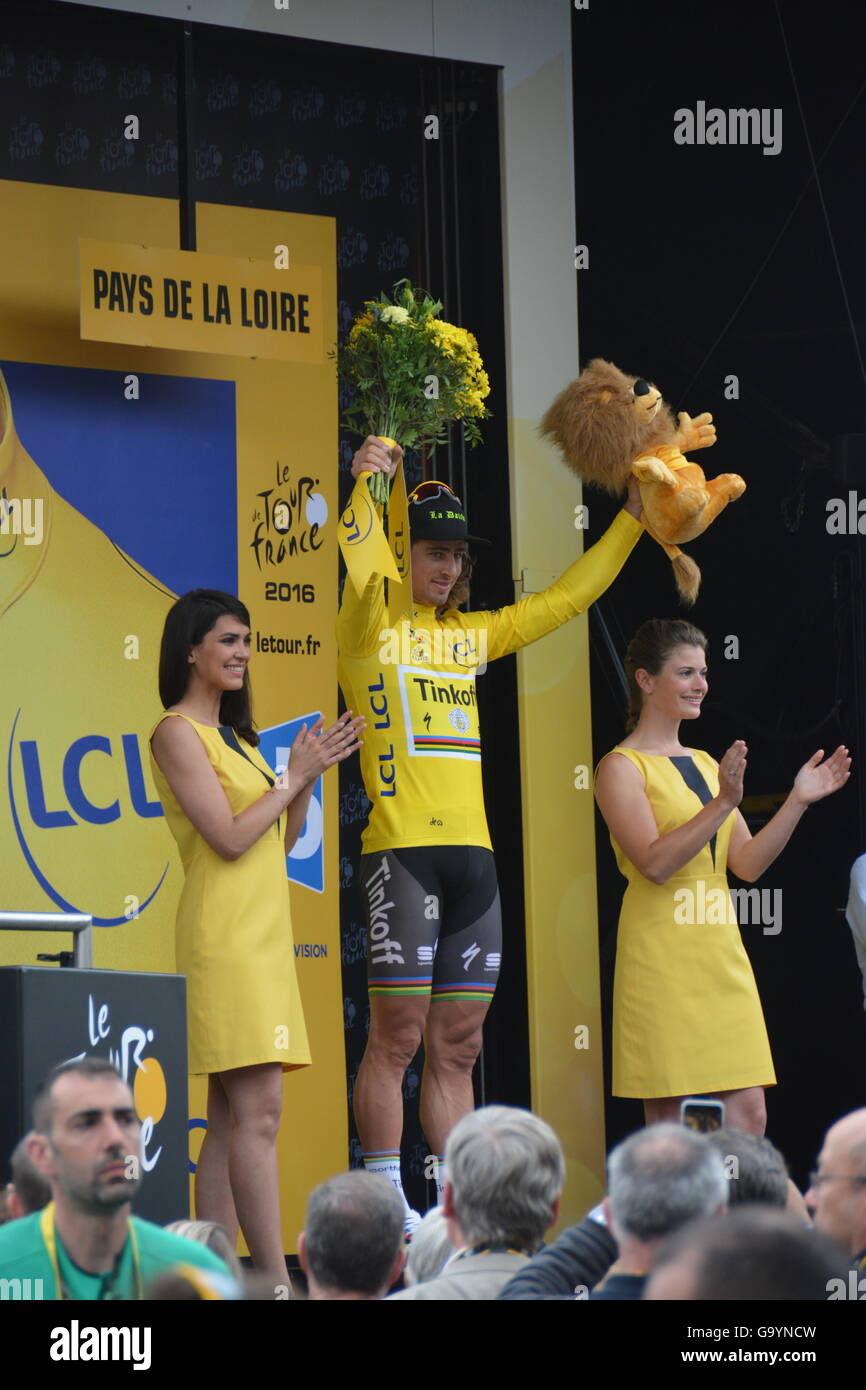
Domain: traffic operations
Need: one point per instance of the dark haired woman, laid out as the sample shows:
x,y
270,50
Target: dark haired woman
x,y
234,824
687,1018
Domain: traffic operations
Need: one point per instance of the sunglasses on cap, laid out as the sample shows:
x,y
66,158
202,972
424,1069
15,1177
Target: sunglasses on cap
x,y
436,514
429,491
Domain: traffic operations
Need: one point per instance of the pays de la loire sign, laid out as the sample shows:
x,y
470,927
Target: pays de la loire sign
x,y
198,303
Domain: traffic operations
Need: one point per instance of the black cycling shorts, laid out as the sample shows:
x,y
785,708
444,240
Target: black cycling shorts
x,y
434,924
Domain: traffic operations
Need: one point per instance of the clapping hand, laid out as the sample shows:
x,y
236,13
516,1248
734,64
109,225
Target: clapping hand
x,y
731,772
314,751
815,780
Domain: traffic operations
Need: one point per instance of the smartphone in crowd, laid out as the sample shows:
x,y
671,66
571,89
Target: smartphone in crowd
x,y
702,1115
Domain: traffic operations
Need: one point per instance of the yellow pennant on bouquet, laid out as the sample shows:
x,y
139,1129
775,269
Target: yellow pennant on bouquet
x,y
362,540
365,547
399,596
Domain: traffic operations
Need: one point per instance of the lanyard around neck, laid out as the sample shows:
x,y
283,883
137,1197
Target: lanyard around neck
x,y
469,1250
46,1226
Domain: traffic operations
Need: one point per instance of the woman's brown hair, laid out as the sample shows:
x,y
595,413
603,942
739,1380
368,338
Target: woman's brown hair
x,y
649,649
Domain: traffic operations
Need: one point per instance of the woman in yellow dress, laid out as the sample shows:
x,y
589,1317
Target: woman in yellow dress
x,y
234,823
687,1019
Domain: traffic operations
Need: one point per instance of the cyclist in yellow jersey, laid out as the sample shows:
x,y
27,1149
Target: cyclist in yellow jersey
x,y
427,873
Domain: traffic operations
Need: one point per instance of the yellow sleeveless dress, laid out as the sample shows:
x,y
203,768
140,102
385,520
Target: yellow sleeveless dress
x,y
233,931
686,1014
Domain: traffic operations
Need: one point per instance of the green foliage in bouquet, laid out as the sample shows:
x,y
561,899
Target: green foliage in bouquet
x,y
411,374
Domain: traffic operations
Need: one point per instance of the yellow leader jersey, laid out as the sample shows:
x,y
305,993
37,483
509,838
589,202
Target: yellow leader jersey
x,y
415,684
80,824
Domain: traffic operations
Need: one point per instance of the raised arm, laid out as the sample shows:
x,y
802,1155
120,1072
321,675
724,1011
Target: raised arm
x,y
582,1255
362,618
625,806
518,624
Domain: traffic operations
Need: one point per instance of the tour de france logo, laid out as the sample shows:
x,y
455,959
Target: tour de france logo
x,y
131,1049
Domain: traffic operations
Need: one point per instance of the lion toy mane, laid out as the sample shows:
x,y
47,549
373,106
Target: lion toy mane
x,y
609,425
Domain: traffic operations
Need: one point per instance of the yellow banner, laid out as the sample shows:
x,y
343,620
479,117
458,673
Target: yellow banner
x,y
562,964
362,540
184,299
400,595
80,825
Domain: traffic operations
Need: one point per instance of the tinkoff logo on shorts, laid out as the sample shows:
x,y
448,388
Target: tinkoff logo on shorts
x,y
306,863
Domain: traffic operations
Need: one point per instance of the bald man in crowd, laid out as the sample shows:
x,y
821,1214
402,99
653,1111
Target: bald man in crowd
x,y
837,1194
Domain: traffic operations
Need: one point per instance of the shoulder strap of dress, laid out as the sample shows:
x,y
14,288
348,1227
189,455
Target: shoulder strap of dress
x,y
170,714
630,753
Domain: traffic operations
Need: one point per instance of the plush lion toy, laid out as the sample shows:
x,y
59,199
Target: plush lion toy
x,y
609,425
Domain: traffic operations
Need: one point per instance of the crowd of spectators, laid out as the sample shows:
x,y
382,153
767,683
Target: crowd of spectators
x,y
686,1216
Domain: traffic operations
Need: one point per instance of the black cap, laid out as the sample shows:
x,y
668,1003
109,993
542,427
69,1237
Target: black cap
x,y
439,515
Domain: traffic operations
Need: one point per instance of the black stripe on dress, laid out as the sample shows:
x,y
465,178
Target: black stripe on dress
x,y
694,780
230,738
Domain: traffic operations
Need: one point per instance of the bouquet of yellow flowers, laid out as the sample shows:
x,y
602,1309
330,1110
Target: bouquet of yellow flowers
x,y
411,375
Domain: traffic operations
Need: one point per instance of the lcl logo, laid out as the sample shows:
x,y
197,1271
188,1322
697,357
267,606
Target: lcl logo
x,y
40,809
77,798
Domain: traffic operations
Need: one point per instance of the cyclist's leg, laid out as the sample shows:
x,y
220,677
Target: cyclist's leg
x,y
401,944
465,974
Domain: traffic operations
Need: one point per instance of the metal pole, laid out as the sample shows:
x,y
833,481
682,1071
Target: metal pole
x,y
79,923
185,153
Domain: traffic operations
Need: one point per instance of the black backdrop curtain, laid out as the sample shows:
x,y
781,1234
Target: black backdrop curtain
x,y
260,121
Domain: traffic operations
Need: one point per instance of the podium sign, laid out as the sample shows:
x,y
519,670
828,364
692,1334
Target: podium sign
x,y
137,1021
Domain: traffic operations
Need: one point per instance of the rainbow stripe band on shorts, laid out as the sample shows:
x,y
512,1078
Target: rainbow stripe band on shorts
x,y
482,993
406,984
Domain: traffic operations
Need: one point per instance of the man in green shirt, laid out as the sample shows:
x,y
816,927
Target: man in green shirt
x,y
86,1244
